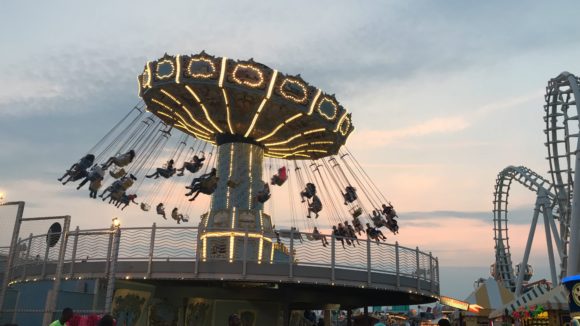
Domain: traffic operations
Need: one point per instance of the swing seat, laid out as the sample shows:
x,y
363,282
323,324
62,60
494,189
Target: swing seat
x,y
350,197
145,207
185,218
355,211
192,167
117,173
279,178
166,173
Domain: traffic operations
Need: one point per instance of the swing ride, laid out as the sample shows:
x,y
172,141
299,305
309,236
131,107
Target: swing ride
x,y
231,122
255,141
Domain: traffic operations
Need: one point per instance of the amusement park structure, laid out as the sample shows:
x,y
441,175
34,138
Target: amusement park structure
x,y
556,199
250,137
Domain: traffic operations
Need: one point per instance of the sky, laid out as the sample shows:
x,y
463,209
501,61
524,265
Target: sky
x,y
444,95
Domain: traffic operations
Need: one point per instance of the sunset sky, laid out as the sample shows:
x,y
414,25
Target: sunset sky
x,y
444,95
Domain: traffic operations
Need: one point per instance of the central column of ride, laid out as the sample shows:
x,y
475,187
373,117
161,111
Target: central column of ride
x,y
236,226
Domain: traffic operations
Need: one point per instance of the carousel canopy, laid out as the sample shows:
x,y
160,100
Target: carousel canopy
x,y
220,100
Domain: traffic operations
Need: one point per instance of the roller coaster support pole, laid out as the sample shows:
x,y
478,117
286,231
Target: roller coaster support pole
x,y
524,263
557,239
550,248
112,270
52,296
12,252
574,254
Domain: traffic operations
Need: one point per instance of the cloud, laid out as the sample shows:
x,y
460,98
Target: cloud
x,y
15,90
519,215
378,138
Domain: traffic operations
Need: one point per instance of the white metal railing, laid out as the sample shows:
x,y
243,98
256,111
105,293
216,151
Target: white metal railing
x,y
156,243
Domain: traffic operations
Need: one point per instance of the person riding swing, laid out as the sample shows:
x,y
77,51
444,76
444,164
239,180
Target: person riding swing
x,y
121,160
338,236
358,225
375,234
264,194
160,209
316,235
166,172
176,215
97,173
315,206
126,200
344,233
351,232
192,166
196,181
118,187
349,195
206,186
389,211
378,220
279,178
308,192
78,170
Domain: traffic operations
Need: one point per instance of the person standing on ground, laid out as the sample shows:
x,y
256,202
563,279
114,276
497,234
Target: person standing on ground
x,y
65,316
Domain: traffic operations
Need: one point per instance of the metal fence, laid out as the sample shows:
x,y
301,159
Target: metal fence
x,y
146,247
152,244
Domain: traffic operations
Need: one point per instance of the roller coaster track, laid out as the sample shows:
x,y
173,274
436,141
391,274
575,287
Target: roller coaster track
x,y
504,270
556,199
562,128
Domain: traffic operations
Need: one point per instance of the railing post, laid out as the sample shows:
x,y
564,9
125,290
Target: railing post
x,y
198,247
245,255
397,265
112,270
43,272
52,295
431,276
151,250
291,254
369,264
109,249
74,253
418,271
26,257
332,257
16,306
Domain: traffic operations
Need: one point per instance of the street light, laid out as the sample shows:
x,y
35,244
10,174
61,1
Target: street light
x,y
116,222
1,197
